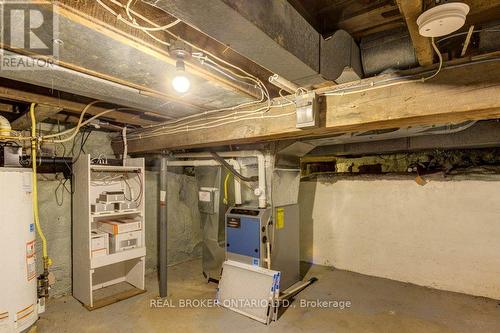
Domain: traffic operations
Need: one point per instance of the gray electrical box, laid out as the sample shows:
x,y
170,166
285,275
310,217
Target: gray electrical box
x,y
307,110
208,200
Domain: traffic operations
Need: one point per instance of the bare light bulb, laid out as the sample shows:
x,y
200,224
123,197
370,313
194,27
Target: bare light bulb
x,y
181,83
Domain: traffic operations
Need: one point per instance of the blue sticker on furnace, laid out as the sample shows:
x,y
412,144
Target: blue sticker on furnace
x,y
32,227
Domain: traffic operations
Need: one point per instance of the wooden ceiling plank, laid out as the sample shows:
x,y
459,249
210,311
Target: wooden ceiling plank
x,y
42,112
369,19
411,9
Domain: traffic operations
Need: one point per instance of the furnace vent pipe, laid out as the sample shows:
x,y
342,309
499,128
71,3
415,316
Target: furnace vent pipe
x,y
235,164
4,126
260,191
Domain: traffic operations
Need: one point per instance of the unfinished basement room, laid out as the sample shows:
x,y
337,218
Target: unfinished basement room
x,y
250,166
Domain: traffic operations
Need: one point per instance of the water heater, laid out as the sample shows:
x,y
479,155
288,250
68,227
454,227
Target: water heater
x,y
18,281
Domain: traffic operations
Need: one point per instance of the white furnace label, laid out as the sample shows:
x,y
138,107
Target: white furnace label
x,y
204,196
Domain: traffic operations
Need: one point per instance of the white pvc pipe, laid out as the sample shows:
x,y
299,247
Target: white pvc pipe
x,y
283,83
125,145
261,162
235,164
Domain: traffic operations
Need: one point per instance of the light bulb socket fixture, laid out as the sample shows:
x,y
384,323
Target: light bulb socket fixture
x,y
179,50
179,65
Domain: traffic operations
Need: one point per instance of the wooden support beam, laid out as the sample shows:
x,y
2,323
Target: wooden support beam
x,y
42,112
6,107
71,106
411,9
370,20
470,92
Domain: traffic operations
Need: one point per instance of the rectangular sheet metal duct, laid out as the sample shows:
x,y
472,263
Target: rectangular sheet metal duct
x,y
270,33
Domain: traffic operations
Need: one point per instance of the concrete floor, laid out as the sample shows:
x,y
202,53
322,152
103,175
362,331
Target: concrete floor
x,y
378,305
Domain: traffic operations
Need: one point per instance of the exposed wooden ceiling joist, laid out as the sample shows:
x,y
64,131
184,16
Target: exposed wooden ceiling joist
x,y
372,20
358,17
423,48
364,17
42,112
6,107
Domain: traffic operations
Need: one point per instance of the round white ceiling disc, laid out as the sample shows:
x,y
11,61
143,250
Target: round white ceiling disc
x,y
443,19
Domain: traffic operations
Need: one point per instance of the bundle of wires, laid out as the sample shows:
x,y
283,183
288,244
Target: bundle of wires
x,y
210,118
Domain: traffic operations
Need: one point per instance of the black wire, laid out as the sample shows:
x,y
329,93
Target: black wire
x,y
85,141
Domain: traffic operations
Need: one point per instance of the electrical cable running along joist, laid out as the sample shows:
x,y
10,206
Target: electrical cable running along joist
x,y
203,56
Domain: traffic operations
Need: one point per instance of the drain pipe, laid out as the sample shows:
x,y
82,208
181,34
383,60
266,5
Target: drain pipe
x,y
234,163
260,191
163,228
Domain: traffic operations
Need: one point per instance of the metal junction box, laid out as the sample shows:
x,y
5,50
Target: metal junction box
x,y
307,111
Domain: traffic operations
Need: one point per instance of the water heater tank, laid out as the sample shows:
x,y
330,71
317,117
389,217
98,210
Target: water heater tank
x,y
18,295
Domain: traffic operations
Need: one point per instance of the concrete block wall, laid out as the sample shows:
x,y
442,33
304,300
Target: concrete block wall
x,y
443,235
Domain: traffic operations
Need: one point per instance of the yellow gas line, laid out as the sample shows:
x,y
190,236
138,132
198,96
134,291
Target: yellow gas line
x,y
226,198
46,260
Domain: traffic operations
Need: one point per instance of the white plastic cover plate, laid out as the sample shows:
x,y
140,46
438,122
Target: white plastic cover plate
x,y
249,290
443,19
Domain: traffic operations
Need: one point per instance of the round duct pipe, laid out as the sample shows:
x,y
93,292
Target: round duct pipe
x,y
387,50
4,126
